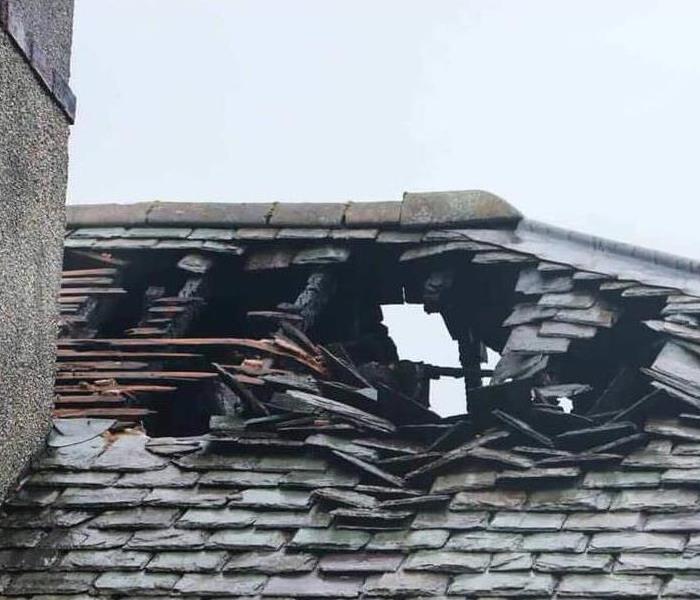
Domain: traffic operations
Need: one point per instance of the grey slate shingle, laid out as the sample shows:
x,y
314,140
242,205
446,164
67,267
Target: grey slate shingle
x,y
518,584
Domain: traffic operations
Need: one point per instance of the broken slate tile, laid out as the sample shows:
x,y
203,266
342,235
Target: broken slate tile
x,y
216,518
48,582
683,586
636,541
137,518
485,541
84,538
187,562
28,560
330,478
522,521
272,499
603,521
32,519
128,453
239,479
552,562
672,428
91,479
657,564
621,479
411,540
167,539
453,521
537,476
329,539
169,477
488,500
312,586
246,539
681,522
362,562
503,584
511,561
33,497
561,541
104,560
568,499
446,561
20,538
618,586
122,583
271,563
100,498
337,497
404,584
656,501
187,497
469,480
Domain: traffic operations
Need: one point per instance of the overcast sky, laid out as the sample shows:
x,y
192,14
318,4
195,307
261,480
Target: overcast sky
x,y
581,113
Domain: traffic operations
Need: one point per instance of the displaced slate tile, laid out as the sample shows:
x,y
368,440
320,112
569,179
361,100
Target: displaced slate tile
x,y
207,461
621,479
107,560
568,499
485,541
470,480
657,564
246,539
511,561
636,541
187,562
672,428
411,540
406,584
656,500
20,538
32,497
100,498
446,561
683,586
90,479
138,518
645,460
78,457
503,584
537,476
50,583
186,497
618,586
168,539
370,469
338,497
284,464
238,479
523,521
132,583
271,563
169,477
551,562
329,539
312,586
220,585
84,538
450,520
682,522
272,499
212,518
28,560
363,562
488,500
330,478
428,501
292,519
128,453
560,541
603,521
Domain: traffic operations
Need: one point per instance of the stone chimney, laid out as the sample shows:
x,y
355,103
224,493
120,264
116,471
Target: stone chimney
x,y
36,110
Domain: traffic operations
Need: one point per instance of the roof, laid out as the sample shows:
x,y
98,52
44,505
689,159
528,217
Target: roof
x,y
263,437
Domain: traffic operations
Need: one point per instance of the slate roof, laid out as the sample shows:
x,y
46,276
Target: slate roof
x,y
291,453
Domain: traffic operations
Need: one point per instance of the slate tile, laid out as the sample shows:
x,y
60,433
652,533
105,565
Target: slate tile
x,y
621,479
292,519
27,538
28,560
656,501
552,562
240,479
692,449
516,584
216,518
220,585
271,563
693,543
485,541
62,479
681,477
561,541
450,520
128,453
446,561
104,560
187,562
683,586
681,522
136,518
34,519
488,500
646,460
285,464
32,497
538,476
603,521
78,457
167,539
470,480
339,497
568,499
169,477
329,539
100,498
312,586
409,540
672,428
523,521
84,538
272,499
404,584
186,497
360,562
511,561
603,586
330,478
657,564
636,541
246,539
50,583
206,461
127,582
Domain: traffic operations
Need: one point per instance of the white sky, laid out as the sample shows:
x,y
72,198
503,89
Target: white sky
x,y
581,113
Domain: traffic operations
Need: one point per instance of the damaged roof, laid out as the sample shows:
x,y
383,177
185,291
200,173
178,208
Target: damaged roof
x,y
234,419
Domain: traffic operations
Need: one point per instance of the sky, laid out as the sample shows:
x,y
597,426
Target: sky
x,y
582,113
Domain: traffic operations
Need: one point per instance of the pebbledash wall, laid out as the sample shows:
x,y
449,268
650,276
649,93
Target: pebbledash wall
x,y
36,110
